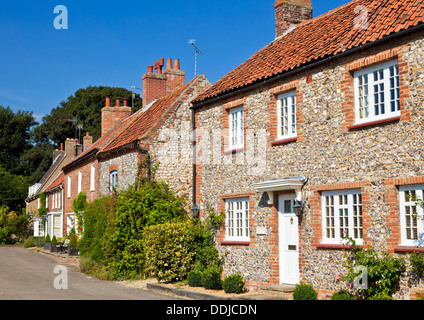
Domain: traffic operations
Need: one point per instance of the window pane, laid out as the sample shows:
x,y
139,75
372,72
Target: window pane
x,y
383,98
288,115
237,219
287,206
343,216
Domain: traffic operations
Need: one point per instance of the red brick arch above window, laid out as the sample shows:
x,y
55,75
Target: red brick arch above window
x,y
113,167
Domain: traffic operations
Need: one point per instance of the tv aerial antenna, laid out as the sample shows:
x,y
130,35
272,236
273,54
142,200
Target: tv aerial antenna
x,y
197,51
78,128
133,94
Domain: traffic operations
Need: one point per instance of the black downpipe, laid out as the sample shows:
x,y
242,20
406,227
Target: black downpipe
x,y
194,209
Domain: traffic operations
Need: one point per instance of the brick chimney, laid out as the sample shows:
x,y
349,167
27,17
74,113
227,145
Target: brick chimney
x,y
159,84
87,141
111,116
70,147
289,13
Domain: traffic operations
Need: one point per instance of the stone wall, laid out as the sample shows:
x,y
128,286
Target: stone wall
x,y
127,167
329,150
171,148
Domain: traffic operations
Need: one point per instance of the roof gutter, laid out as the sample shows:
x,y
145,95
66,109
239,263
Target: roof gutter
x,y
307,66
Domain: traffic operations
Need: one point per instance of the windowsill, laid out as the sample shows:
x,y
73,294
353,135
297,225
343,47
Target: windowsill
x,y
283,141
234,150
336,246
409,249
373,123
235,242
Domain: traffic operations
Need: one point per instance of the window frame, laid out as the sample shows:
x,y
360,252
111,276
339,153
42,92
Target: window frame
x,y
92,177
232,220
291,124
239,130
69,187
369,73
420,215
113,182
79,182
336,224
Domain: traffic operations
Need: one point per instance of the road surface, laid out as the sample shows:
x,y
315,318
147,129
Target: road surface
x,y
27,275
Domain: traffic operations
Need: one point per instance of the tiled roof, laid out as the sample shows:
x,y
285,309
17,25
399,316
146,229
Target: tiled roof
x,y
56,163
320,37
142,122
145,122
102,141
139,124
56,182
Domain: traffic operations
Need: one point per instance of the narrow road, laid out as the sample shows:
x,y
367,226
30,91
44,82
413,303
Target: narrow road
x,y
26,275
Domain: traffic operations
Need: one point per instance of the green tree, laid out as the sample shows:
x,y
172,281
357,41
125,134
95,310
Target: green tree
x,y
85,107
13,190
15,139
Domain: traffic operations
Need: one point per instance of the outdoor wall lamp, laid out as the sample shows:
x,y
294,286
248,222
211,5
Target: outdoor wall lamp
x,y
195,211
298,207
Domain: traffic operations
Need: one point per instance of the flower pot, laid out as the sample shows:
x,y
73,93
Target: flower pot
x,y
53,248
72,251
47,246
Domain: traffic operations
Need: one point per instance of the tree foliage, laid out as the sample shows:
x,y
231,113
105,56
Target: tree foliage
x,y
14,139
85,107
13,190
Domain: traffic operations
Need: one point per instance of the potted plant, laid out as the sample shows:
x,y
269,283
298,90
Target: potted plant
x,y
53,246
47,243
72,246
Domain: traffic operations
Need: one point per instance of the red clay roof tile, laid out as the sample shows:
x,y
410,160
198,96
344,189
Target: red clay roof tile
x,y
326,35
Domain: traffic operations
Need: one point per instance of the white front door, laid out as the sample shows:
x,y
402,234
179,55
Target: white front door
x,y
288,240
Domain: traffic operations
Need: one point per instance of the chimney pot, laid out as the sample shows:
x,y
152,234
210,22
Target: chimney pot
x,y
169,63
158,67
125,102
61,146
177,64
161,62
118,101
107,102
150,69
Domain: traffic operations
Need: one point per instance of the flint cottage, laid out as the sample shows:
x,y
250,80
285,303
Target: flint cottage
x,y
318,136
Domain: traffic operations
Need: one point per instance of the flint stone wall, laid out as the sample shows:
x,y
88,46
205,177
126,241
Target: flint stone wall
x,y
327,154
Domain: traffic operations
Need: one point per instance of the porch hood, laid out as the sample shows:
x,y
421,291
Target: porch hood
x,y
270,186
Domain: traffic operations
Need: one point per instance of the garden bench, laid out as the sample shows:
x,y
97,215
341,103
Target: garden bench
x,y
63,245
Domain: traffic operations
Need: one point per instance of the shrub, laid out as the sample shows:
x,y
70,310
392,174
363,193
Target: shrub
x,y
28,243
48,240
54,240
98,218
343,295
304,291
417,262
73,238
169,250
212,278
194,278
38,241
233,283
383,271
381,296
421,297
4,236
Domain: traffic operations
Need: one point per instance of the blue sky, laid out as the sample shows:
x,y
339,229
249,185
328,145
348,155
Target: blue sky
x,y
111,43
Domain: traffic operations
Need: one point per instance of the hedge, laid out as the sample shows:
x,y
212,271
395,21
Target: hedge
x,y
169,250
